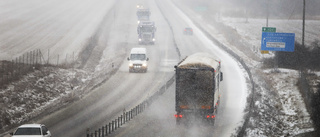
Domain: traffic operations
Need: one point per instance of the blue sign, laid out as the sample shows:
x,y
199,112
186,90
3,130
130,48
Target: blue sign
x,y
277,41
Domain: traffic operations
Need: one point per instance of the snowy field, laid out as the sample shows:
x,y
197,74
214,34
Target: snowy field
x,y
61,27
251,31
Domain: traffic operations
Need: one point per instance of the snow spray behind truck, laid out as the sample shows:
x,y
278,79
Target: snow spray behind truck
x,y
198,79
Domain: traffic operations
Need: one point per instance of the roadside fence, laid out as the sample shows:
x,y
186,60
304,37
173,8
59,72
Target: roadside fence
x,y
12,70
28,62
124,118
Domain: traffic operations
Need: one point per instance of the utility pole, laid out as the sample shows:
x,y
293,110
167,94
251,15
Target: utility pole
x,y
303,22
267,13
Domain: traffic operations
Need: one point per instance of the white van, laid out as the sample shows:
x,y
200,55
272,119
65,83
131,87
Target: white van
x,y
138,60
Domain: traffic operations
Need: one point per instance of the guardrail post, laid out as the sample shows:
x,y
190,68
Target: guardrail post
x,y
106,129
109,128
136,110
95,133
99,132
115,124
118,122
126,117
88,134
91,134
112,126
121,119
102,131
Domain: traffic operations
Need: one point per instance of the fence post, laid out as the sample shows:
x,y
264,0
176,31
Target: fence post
x,y
58,60
48,56
95,133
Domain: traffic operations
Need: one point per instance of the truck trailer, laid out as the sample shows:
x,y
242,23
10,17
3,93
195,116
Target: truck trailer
x,y
198,78
143,14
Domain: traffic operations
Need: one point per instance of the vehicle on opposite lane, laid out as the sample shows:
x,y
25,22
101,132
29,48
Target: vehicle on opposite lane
x,y
138,60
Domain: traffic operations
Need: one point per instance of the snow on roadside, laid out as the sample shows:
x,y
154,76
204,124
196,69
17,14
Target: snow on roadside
x,y
279,109
37,91
295,115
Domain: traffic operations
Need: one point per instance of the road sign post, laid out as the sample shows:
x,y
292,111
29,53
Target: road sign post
x,y
267,29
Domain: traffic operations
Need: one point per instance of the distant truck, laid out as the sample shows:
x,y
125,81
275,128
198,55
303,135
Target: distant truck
x,y
198,78
143,14
146,32
138,60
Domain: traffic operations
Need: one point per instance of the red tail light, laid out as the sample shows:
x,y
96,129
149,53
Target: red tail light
x,y
180,116
213,116
208,116
175,115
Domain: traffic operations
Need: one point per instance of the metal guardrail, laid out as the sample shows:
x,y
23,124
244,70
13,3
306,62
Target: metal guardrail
x,y
124,118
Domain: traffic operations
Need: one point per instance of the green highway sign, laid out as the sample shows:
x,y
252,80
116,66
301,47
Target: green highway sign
x,y
201,8
268,29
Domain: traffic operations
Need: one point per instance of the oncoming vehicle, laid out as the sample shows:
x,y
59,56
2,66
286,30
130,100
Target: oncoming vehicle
x,y
146,32
197,89
139,6
143,14
138,60
31,130
188,31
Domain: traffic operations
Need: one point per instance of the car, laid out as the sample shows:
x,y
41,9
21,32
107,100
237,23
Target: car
x,y
31,130
188,31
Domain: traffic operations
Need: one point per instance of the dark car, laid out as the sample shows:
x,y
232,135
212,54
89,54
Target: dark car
x,y
188,31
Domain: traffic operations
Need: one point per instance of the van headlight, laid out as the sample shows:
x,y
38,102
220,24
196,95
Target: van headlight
x,y
130,64
139,39
144,64
153,39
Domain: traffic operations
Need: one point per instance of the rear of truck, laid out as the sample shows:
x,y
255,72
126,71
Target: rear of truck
x,y
197,93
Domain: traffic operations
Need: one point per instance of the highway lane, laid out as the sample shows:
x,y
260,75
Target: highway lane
x,y
158,120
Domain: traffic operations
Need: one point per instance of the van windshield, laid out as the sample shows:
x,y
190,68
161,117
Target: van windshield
x,y
138,57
